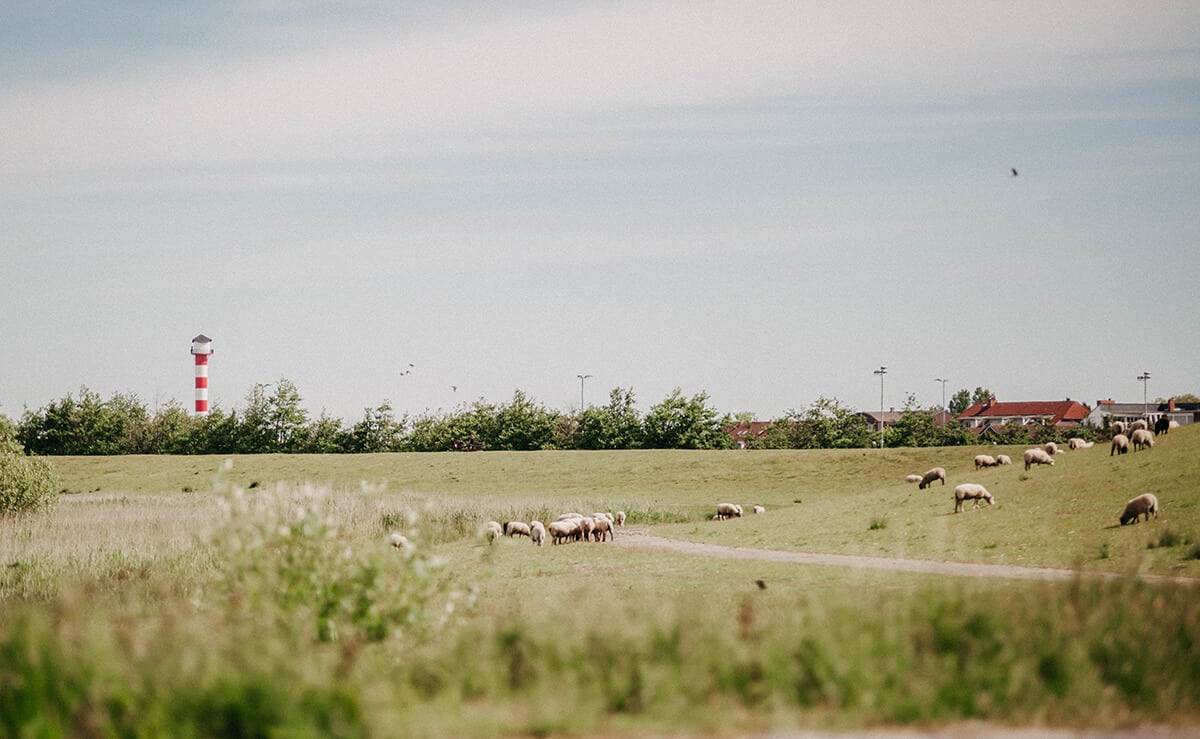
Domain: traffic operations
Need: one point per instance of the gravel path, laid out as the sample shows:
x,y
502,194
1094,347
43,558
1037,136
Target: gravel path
x,y
642,539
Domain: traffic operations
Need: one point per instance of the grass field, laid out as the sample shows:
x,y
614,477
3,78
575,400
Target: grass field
x,y
206,596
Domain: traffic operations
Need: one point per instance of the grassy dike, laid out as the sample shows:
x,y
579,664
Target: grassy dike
x,y
193,597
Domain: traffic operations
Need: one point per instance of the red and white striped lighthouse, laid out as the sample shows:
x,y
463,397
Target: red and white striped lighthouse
x,y
201,348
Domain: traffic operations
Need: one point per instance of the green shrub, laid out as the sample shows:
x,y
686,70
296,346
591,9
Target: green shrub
x,y
284,553
27,484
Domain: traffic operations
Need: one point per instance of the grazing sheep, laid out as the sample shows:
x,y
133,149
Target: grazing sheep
x,y
759,509
1118,427
1051,448
912,478
400,541
1002,459
1141,423
1037,456
620,518
937,473
971,491
561,531
1145,503
1076,443
1141,439
494,531
537,532
1173,424
587,525
516,528
1120,445
602,527
728,510
569,516
985,460
1162,425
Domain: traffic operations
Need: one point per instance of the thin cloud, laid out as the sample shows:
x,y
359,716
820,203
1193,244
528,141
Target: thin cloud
x,y
399,87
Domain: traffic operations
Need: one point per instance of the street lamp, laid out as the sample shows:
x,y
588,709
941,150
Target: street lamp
x,y
581,379
881,372
1144,377
942,380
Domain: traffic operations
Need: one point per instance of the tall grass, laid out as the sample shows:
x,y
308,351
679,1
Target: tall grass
x,y
1091,653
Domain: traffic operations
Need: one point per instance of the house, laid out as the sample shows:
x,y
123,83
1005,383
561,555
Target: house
x,y
1107,411
889,418
744,433
993,415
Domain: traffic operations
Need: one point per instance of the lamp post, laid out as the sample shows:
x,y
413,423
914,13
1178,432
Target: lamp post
x,y
881,372
581,379
942,380
1144,377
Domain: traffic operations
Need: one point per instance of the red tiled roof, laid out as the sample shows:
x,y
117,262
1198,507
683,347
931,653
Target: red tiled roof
x,y
1058,411
743,429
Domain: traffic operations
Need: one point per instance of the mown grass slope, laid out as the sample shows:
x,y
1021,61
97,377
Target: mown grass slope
x,y
845,501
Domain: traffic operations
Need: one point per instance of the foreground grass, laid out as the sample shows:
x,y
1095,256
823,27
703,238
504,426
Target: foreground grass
x,y
603,655
136,608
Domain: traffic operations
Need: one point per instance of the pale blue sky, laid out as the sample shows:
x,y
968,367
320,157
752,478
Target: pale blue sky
x,y
763,201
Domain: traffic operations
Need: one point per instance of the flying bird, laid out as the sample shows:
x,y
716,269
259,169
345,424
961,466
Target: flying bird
x,y
1014,172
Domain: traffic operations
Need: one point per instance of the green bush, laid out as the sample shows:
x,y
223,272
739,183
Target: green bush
x,y
284,553
27,484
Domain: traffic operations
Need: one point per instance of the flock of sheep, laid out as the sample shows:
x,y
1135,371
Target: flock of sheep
x,y
1139,436
568,527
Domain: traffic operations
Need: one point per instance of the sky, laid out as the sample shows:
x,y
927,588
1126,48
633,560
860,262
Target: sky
x,y
762,202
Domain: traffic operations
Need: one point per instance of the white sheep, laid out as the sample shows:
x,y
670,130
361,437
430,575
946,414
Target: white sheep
x,y
1037,456
569,516
1173,424
494,531
1145,503
1052,448
937,473
561,531
620,518
516,528
603,526
1120,445
1141,439
985,460
1118,427
1077,443
759,509
912,478
1141,423
728,510
971,491
537,532
587,525
601,514
1002,459
400,541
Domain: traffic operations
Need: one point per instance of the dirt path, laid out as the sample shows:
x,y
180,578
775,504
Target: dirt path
x,y
642,539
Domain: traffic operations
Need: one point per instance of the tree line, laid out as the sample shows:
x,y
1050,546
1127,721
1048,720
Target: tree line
x,y
276,422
